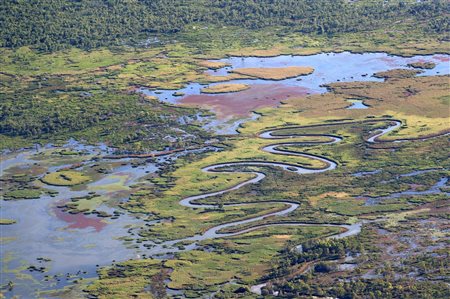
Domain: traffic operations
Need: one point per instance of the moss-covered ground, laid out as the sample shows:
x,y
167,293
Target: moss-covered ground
x,y
338,196
86,95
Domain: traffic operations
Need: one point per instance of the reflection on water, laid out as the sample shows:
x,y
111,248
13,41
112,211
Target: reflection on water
x,y
72,243
357,104
60,242
45,236
329,68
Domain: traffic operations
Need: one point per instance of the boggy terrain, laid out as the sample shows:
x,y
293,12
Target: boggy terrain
x,y
378,174
335,185
310,169
254,209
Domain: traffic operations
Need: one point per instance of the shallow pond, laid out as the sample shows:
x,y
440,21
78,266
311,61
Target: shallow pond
x,y
328,68
357,104
67,246
75,244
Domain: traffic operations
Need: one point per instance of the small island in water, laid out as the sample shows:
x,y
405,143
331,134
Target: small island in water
x,y
224,149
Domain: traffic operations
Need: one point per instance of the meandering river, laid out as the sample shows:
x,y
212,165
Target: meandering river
x,y
41,233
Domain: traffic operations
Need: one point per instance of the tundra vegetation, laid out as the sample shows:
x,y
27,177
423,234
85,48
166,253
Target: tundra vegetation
x,y
383,255
80,78
221,88
275,73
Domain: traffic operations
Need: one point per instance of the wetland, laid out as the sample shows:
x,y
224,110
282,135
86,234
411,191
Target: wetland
x,y
271,156
90,207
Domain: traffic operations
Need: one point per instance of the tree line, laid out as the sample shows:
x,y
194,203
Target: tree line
x,y
51,25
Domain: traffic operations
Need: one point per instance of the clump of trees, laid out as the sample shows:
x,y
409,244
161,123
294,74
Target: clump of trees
x,y
366,288
314,250
321,255
55,24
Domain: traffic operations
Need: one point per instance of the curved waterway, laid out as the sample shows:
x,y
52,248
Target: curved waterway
x,y
73,242
218,231
68,246
77,243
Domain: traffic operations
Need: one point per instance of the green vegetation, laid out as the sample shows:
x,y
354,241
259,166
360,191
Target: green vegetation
x,y
6,221
275,73
320,201
65,178
83,94
73,69
220,88
138,274
393,277
422,65
22,194
242,258
397,74
118,119
76,24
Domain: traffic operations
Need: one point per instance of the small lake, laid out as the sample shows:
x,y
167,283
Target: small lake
x,y
75,244
69,246
328,68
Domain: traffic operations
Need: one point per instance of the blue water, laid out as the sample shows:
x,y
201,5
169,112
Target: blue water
x,y
328,68
357,104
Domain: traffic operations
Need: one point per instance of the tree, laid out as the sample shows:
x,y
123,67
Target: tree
x,y
157,284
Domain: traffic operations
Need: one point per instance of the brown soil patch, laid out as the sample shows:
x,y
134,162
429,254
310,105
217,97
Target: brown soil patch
x,y
282,237
397,73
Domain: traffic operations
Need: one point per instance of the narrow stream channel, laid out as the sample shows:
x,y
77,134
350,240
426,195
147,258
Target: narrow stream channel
x,y
41,233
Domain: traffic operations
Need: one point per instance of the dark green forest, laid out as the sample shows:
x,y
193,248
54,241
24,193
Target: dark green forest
x,y
50,25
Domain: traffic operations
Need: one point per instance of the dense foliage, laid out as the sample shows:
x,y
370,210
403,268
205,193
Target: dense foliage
x,y
323,253
54,24
120,119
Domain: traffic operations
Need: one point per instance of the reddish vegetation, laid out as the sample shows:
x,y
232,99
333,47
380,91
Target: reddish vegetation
x,y
242,103
390,61
80,220
442,58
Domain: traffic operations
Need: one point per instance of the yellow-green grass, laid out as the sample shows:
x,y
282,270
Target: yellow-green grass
x,y
150,98
243,149
422,65
213,64
4,221
422,117
222,88
65,178
23,194
402,41
137,278
423,112
206,78
198,182
72,61
276,73
189,221
394,218
147,67
200,269
355,207
255,52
